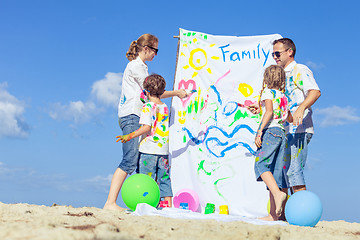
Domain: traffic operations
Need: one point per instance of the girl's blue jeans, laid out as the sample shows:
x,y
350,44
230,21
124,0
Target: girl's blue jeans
x,y
270,156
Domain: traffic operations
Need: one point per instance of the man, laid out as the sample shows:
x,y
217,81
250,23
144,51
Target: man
x,y
302,92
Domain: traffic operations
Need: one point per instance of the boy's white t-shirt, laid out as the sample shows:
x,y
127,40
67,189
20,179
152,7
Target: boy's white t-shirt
x,y
132,84
280,107
299,80
157,141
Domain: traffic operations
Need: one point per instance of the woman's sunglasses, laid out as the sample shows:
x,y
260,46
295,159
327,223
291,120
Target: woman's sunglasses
x,y
154,49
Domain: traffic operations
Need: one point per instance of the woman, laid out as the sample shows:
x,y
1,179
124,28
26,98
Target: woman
x,y
142,50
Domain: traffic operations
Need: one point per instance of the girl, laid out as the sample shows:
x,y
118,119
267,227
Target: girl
x,y
270,139
142,50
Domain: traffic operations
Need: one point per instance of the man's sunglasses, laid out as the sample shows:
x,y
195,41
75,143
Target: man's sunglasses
x,y
277,53
154,49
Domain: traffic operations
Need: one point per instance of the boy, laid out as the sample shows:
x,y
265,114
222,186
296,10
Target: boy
x,y
154,147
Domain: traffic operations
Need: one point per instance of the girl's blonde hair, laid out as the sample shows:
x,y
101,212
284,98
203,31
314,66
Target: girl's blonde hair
x,y
274,78
136,46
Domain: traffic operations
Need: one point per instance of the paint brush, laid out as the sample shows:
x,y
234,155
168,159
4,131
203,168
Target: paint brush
x,y
241,105
190,91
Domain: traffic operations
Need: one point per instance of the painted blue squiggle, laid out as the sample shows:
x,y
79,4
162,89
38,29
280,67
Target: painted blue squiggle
x,y
247,146
222,153
194,139
197,141
235,130
217,93
230,108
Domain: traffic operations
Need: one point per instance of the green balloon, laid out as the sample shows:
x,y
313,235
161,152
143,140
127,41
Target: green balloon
x,y
140,188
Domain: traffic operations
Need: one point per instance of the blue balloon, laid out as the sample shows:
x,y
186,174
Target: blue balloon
x,y
303,208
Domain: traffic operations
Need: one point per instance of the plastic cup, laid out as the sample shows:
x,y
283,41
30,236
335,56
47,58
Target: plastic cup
x,y
210,208
224,209
189,196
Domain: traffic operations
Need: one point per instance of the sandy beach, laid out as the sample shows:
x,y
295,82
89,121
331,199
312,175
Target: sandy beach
x,y
25,221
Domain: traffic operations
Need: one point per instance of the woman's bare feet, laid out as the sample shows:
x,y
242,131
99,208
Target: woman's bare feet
x,y
113,206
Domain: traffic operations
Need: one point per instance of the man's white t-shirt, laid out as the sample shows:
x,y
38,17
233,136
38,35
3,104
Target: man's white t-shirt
x,y
299,80
132,84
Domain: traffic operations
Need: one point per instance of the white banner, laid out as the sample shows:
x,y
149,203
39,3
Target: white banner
x,y
211,132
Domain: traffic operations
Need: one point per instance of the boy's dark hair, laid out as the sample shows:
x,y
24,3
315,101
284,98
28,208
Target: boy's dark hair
x,y
288,43
155,85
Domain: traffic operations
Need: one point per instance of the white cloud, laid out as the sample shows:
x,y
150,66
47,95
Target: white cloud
x,y
107,90
104,93
336,116
75,111
99,182
313,65
7,172
12,123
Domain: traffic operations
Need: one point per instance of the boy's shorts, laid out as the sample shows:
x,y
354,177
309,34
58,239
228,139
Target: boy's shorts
x,y
296,151
157,167
270,156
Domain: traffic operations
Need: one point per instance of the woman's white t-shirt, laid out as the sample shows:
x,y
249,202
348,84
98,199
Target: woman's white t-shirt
x,y
132,84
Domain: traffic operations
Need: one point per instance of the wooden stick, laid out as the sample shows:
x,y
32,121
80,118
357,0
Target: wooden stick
x,y
177,56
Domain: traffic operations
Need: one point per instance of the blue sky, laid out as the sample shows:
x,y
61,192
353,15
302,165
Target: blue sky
x,y
61,64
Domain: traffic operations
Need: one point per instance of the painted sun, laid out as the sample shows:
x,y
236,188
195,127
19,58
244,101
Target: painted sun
x,y
198,59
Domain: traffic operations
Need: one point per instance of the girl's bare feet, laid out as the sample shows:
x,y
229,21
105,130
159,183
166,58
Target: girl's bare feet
x,y
279,200
268,218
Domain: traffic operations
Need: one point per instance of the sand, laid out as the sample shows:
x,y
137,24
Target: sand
x,y
25,221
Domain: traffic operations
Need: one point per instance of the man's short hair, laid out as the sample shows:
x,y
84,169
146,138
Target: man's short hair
x,y
288,43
